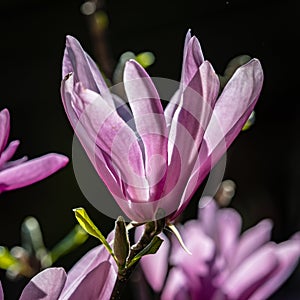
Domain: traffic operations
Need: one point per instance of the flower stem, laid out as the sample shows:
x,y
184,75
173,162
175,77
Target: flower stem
x,y
151,230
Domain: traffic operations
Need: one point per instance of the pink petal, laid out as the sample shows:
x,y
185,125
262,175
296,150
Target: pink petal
x,y
190,77
196,106
251,273
97,284
288,254
31,171
4,128
251,240
230,113
8,153
85,131
188,36
150,124
47,285
95,155
172,105
193,58
113,136
77,61
187,129
87,263
228,229
234,105
207,215
176,286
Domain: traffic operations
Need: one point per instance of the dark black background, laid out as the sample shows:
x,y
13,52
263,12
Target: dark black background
x,y
264,161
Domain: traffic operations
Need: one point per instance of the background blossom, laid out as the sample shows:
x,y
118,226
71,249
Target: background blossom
x,y
224,264
20,173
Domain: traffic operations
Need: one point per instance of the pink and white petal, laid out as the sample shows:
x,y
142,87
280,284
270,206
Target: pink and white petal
x,y
231,111
31,171
207,215
92,259
69,97
86,264
188,36
143,98
251,273
288,254
228,228
155,266
4,128
174,101
46,285
77,61
188,127
193,58
97,284
234,106
74,107
177,286
113,136
196,104
150,124
8,153
251,240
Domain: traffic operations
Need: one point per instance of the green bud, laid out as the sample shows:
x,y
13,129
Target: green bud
x,y
145,59
121,242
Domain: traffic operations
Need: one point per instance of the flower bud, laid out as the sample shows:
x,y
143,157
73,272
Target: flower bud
x,y
121,242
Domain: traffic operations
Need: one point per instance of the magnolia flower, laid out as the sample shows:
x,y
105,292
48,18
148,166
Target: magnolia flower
x,y
20,173
153,159
92,277
224,265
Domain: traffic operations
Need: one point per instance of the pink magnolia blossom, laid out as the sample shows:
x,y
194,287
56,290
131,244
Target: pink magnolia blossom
x,y
153,159
92,277
224,265
21,172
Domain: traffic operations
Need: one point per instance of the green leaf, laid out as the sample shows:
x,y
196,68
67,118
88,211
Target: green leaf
x,y
87,224
150,249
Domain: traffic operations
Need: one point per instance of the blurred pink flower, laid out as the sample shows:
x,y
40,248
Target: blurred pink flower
x,y
92,277
153,159
224,265
20,173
